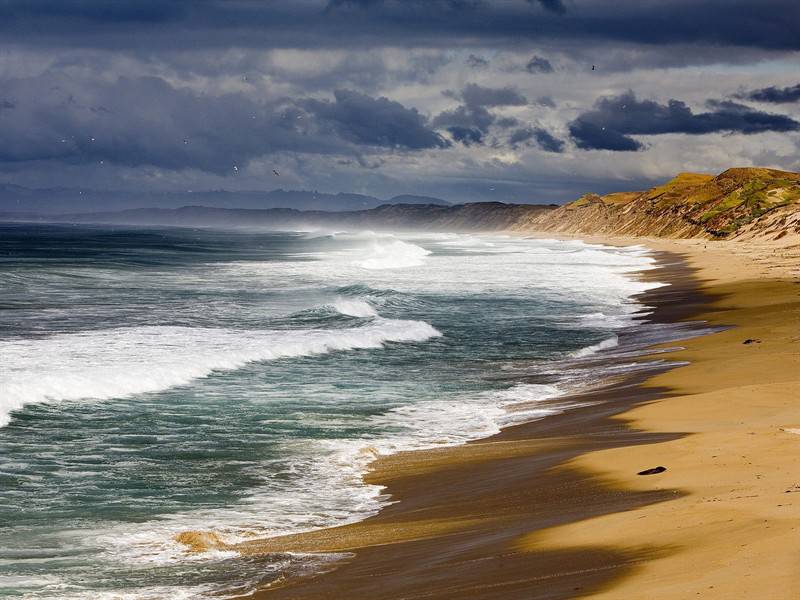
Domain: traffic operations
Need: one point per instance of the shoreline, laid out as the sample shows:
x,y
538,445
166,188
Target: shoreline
x,y
452,509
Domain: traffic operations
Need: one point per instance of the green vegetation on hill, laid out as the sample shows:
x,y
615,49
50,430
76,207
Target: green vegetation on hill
x,y
739,196
688,205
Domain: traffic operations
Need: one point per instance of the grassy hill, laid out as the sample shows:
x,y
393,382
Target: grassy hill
x,y
738,202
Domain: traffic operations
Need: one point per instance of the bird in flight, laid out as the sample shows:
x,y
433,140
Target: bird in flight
x,y
592,67
276,173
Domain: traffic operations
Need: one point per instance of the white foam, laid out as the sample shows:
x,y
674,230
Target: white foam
x,y
606,344
26,581
201,592
336,466
467,242
580,272
526,393
354,307
600,319
118,363
393,254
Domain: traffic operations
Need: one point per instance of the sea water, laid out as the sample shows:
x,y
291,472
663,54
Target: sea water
x,y
154,381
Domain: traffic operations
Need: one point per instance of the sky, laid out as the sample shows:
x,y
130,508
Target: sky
x,y
466,100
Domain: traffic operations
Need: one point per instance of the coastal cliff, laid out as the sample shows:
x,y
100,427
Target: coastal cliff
x,y
740,203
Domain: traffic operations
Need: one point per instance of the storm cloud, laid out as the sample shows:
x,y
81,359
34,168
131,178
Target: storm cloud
x,y
466,124
146,121
546,101
470,122
445,23
556,6
537,64
375,121
476,62
538,135
773,94
475,95
613,120
441,97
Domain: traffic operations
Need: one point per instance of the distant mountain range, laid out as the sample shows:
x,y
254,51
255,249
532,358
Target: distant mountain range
x,y
15,198
478,216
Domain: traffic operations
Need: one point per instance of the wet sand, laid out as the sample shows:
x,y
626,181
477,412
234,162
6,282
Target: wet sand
x,y
554,508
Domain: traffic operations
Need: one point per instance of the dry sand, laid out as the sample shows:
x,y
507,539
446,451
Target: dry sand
x,y
735,533
555,509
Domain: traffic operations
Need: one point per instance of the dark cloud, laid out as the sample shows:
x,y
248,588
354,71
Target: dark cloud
x,y
475,95
147,122
367,72
65,64
375,121
519,136
140,121
555,6
144,24
452,5
546,101
537,64
99,11
538,135
470,122
547,141
464,116
773,94
591,136
476,62
466,135
609,125
506,122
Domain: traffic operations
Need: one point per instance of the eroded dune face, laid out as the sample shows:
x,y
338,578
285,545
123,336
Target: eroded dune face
x,y
741,202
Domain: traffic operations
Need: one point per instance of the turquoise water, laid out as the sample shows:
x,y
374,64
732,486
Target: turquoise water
x,y
154,381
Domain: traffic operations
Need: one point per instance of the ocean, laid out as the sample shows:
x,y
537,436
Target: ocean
x,y
159,380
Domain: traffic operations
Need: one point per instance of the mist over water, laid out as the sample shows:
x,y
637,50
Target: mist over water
x,y
160,380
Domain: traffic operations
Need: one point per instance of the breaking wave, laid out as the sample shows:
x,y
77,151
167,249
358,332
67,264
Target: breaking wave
x,y
607,343
393,254
354,307
118,363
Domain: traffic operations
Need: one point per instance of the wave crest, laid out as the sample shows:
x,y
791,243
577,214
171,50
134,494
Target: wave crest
x,y
354,307
393,254
607,343
124,362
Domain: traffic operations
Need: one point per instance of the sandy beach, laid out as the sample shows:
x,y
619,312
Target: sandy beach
x,y
555,508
